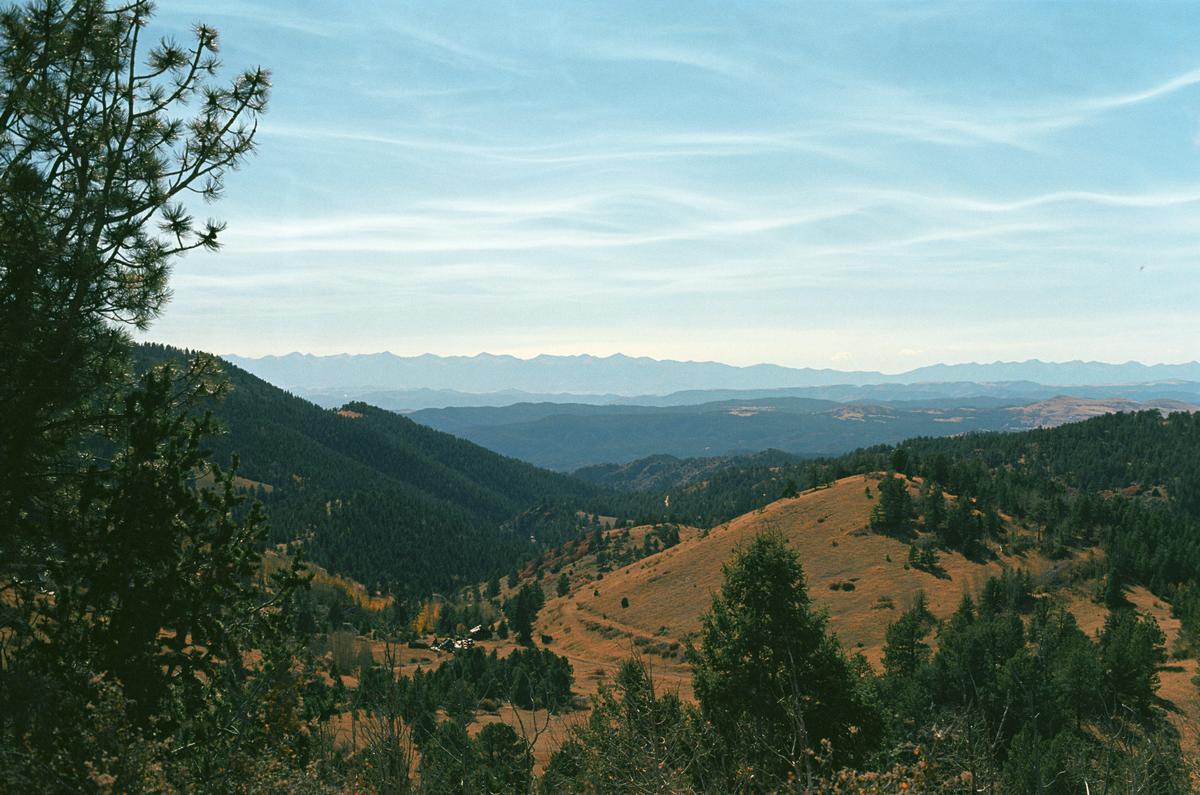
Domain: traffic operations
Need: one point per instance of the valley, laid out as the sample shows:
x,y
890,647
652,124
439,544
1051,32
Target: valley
x,y
615,589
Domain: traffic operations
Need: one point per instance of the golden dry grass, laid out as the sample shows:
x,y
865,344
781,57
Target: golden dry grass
x,y
274,560
1063,409
668,592
206,480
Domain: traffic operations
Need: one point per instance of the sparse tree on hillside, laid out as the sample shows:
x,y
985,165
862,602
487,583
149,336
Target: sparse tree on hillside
x,y
522,610
934,504
893,512
906,650
1132,648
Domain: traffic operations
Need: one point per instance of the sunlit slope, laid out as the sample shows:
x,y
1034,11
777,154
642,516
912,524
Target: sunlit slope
x,y
668,592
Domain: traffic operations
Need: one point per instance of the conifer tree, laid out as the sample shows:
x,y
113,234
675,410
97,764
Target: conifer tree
x,y
139,586
101,140
769,676
893,512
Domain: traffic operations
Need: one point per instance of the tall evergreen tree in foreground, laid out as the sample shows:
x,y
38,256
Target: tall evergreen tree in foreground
x,y
771,679
100,141
781,708
131,592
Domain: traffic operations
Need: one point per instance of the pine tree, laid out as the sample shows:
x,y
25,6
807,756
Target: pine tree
x,y
131,668
505,761
1132,648
522,610
635,740
893,512
905,650
96,153
769,676
934,504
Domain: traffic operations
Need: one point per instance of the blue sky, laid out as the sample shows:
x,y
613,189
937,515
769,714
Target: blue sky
x,y
874,186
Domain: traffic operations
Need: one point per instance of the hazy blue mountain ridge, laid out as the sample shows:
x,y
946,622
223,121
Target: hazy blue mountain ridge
x,y
613,378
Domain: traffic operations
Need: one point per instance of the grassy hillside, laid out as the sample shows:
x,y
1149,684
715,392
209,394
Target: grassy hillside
x,y
668,592
1069,500
378,497
653,605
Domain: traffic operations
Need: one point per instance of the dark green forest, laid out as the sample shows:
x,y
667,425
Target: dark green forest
x,y
371,494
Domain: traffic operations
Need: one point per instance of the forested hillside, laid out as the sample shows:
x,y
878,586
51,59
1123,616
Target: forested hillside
x,y
1076,675
665,472
1065,479
1129,483
378,497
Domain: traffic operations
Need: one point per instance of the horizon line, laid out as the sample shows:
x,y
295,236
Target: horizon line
x,y
622,355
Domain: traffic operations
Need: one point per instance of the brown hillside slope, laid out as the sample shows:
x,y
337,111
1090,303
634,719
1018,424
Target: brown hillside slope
x,y
668,592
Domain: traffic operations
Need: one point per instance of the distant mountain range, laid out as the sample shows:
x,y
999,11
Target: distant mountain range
x,y
417,380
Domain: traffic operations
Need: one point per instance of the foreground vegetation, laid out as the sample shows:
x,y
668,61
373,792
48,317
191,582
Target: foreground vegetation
x,y
1016,698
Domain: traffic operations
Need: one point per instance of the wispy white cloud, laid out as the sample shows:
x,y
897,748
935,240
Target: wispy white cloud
x,y
906,113
593,169
590,149
1165,88
453,50
1157,199
706,60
